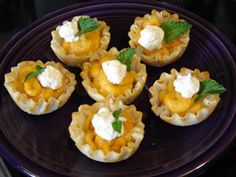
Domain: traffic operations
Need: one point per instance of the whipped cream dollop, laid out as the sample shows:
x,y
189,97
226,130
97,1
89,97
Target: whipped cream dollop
x,y
50,78
151,37
68,31
114,70
102,123
186,85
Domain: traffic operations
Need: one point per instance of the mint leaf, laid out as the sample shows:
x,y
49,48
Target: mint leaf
x,y
117,124
117,113
38,69
126,56
199,97
174,29
86,24
209,87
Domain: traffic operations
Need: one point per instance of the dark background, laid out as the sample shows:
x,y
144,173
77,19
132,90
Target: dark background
x,y
16,14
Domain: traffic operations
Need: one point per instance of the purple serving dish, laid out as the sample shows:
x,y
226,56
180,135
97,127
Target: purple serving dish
x,y
41,146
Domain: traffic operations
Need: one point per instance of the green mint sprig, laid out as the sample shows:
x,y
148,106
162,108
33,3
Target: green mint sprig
x,y
209,87
174,29
117,124
38,69
86,24
126,56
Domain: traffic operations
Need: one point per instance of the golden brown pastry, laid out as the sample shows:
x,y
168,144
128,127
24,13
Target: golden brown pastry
x,y
105,75
39,88
76,41
160,37
107,131
186,97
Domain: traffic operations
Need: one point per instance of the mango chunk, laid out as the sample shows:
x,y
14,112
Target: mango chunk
x,y
97,142
153,20
195,107
176,103
32,87
87,42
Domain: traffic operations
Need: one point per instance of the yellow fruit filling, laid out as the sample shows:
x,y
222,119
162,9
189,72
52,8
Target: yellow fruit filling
x,y
175,103
96,142
167,47
88,42
32,86
101,83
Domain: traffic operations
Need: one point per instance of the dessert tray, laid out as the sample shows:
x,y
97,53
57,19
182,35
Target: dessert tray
x,y
41,145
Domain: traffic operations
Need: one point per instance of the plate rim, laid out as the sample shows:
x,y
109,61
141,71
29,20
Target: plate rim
x,y
193,16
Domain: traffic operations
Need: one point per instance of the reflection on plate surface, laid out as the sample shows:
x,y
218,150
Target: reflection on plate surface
x,y
42,145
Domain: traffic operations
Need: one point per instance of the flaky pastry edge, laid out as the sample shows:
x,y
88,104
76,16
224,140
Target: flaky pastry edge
x,y
71,59
77,133
131,94
41,106
210,101
158,60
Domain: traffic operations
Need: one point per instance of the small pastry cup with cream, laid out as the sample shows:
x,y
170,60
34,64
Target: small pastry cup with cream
x,y
185,98
75,41
107,131
39,88
160,38
115,73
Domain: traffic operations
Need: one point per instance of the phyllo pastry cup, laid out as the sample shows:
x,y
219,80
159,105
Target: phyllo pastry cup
x,y
94,146
169,51
77,52
171,107
30,96
98,87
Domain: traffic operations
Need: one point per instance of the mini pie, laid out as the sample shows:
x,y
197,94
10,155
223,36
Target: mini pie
x,y
78,52
169,51
175,109
97,85
95,147
30,95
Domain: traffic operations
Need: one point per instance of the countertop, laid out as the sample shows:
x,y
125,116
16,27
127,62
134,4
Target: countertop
x,y
16,14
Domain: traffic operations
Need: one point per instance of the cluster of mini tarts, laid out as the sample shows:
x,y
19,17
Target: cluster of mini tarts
x,y
70,58
209,102
78,131
130,94
158,59
76,127
39,106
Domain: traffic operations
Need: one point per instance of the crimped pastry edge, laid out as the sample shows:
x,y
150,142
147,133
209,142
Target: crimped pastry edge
x,y
130,95
210,102
72,59
77,132
27,104
157,60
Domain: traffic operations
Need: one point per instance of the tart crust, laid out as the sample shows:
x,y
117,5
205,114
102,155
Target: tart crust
x,y
77,132
130,94
41,106
71,59
158,60
209,102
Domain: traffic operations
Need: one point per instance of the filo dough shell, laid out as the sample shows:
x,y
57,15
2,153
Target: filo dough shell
x,y
130,94
41,106
158,59
77,132
71,59
210,101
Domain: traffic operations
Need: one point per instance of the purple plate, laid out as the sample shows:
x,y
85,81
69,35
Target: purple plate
x,y
40,145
